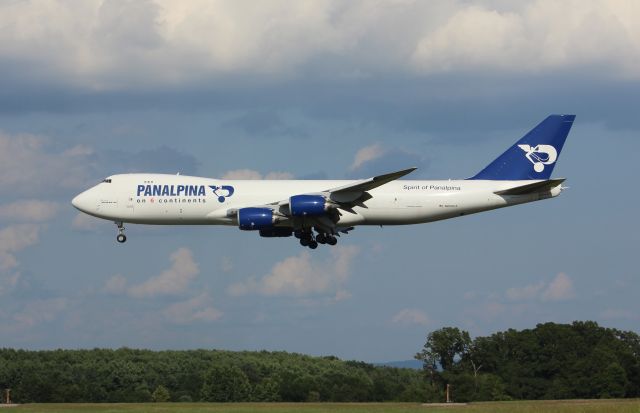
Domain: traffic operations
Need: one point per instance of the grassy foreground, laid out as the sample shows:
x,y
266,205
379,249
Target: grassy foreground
x,y
565,406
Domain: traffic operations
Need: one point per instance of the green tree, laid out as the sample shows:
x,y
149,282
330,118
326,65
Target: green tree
x,y
559,361
490,387
226,384
445,347
266,391
611,382
160,394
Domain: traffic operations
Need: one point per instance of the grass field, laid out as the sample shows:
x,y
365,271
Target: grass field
x,y
568,406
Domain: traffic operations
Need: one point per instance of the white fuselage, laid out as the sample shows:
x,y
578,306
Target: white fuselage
x,y
185,200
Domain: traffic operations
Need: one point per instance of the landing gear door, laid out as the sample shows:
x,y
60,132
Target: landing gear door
x,y
129,206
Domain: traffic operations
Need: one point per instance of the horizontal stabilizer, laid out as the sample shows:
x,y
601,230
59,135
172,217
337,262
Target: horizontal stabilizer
x,y
531,188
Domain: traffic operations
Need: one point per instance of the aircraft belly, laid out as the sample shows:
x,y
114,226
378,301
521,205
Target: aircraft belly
x,y
415,210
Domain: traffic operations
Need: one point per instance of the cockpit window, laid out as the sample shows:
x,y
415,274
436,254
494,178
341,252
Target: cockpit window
x,y
107,180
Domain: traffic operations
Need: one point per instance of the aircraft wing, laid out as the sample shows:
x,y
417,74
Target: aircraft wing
x,y
367,184
341,198
348,195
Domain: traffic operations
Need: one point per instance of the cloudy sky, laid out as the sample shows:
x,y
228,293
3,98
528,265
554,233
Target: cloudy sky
x,y
312,89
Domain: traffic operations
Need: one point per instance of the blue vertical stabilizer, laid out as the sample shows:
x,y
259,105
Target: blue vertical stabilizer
x,y
533,156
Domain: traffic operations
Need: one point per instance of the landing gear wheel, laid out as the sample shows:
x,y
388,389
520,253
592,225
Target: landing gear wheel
x,y
321,238
313,245
121,237
331,240
305,242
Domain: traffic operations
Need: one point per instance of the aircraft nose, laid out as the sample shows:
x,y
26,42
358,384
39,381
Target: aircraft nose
x,y
81,201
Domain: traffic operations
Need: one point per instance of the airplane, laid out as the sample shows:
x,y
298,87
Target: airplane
x,y
319,211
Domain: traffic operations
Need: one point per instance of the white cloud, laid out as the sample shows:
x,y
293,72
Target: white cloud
x,y
558,289
275,175
29,166
375,159
242,174
114,45
301,276
39,311
195,309
173,280
411,316
8,282
84,222
366,154
618,314
29,210
15,238
115,285
255,175
172,41
492,309
539,35
226,264
342,295
528,292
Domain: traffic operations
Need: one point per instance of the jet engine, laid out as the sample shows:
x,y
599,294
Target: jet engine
x,y
307,205
250,219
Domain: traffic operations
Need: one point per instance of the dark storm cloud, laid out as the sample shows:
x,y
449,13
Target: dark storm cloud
x,y
450,107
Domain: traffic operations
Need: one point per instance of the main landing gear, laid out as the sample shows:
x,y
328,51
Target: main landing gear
x,y
326,239
308,240
120,237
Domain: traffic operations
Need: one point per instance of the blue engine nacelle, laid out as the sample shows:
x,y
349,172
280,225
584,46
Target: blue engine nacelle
x,y
276,232
250,219
307,205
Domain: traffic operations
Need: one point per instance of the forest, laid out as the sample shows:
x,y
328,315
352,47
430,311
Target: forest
x,y
550,361
128,375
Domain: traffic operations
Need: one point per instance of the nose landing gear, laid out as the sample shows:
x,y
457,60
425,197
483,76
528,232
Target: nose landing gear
x,y
120,237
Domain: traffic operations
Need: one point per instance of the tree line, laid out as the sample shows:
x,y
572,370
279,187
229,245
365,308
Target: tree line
x,y
550,361
128,375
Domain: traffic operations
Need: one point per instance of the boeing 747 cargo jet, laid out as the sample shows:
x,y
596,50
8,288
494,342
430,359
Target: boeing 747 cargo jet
x,y
318,211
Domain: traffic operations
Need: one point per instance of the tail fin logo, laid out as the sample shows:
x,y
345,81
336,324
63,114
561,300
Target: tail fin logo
x,y
540,155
